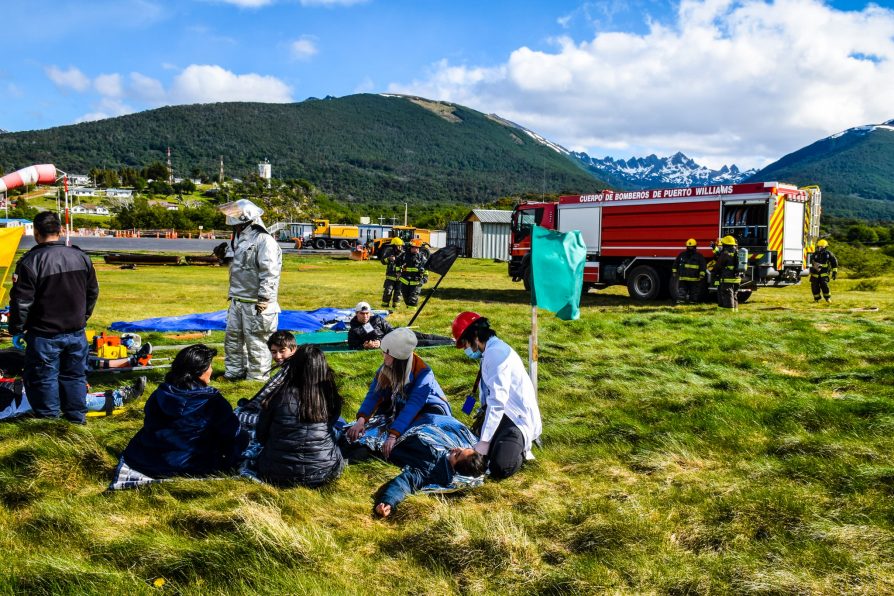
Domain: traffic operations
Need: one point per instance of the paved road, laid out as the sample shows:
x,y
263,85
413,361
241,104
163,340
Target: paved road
x,y
161,245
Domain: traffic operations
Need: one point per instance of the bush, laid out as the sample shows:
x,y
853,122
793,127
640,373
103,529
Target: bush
x,y
865,285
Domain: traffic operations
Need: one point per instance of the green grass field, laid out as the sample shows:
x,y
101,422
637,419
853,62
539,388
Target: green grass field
x,y
686,451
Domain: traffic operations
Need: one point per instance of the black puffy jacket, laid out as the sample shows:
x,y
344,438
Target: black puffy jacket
x,y
296,452
358,334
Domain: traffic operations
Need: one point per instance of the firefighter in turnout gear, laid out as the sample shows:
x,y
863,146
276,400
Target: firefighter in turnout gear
x,y
690,269
391,289
726,269
823,266
254,309
412,273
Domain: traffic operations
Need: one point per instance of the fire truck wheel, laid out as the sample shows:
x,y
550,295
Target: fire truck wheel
x,y
526,279
319,244
643,283
743,296
344,244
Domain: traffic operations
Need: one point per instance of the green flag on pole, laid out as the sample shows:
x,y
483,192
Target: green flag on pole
x,y
557,265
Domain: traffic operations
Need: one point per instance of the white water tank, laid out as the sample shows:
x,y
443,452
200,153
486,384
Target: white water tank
x,y
264,170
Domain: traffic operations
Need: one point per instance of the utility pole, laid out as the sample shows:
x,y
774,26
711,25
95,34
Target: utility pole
x,y
405,213
220,176
170,168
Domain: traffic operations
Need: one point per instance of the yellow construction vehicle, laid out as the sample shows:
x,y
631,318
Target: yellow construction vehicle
x,y
380,247
334,235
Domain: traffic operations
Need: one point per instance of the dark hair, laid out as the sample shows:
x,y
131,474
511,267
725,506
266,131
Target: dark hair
x,y
46,223
392,378
189,364
282,339
309,387
474,465
480,330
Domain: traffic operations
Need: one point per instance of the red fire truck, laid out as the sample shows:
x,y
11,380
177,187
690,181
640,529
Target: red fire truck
x,y
633,237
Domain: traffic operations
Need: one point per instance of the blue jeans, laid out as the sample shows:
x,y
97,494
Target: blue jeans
x,y
55,375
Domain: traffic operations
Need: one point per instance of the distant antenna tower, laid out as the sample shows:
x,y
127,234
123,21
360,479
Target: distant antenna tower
x,y
220,175
170,168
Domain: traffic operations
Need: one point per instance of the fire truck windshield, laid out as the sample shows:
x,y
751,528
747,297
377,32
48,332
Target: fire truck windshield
x,y
523,221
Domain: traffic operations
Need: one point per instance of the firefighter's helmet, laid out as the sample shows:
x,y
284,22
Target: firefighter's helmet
x,y
416,242
240,212
397,242
728,241
822,244
691,242
461,323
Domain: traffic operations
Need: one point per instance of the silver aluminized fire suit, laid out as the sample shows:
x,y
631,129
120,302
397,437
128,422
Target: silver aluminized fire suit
x,y
254,280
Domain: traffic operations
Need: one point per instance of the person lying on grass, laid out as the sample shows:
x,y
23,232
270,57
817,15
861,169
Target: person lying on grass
x,y
14,400
189,427
295,425
432,454
403,389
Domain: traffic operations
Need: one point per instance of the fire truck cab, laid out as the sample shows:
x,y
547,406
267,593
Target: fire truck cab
x,y
633,237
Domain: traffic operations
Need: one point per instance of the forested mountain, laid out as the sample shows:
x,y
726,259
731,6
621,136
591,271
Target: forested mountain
x,y
358,148
854,169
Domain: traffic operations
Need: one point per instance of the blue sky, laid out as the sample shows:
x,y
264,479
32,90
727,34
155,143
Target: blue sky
x,y
722,81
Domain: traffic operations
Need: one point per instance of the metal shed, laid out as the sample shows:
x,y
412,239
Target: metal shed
x,y
487,234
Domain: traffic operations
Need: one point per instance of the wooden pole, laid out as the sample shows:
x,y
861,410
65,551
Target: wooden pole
x,y
533,348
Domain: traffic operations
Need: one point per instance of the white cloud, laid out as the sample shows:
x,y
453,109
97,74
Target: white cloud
x,y
146,89
749,79
107,108
109,85
303,48
72,78
210,83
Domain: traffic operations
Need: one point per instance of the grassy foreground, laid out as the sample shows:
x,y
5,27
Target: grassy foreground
x,y
686,450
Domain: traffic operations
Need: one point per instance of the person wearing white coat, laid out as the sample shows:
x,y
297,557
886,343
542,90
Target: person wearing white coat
x,y
511,422
253,314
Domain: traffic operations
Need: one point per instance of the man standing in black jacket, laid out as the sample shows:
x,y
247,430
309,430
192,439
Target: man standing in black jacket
x,y
53,293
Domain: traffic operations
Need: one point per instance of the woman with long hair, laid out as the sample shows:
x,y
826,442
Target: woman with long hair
x,y
189,427
295,424
403,389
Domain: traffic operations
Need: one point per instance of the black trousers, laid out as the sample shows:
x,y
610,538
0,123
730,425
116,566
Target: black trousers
x,y
507,450
411,293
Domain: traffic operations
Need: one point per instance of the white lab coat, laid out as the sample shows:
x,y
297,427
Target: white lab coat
x,y
507,390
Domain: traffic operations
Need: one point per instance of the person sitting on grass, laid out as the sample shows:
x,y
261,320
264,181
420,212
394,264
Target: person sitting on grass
x,y
403,389
189,427
432,454
367,329
281,345
508,422
295,424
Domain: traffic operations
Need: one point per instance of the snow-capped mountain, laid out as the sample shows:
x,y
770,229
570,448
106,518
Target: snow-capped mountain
x,y
659,172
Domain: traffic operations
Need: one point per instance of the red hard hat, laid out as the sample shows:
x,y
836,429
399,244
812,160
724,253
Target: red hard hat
x,y
462,322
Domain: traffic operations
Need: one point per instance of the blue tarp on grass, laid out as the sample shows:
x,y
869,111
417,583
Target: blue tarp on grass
x,y
303,321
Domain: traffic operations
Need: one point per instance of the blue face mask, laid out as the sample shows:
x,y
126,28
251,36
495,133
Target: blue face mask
x,y
474,355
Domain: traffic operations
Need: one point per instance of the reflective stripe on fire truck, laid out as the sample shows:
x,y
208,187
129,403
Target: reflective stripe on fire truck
x,y
776,229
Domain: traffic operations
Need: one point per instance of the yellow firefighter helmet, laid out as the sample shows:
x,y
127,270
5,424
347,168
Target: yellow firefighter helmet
x,y
691,242
397,242
822,244
728,241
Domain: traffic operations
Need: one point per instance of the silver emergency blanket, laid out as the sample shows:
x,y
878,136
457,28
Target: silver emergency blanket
x,y
377,433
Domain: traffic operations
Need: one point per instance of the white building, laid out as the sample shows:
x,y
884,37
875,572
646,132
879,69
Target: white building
x,y
119,193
